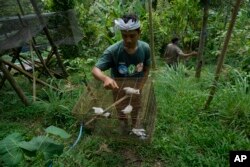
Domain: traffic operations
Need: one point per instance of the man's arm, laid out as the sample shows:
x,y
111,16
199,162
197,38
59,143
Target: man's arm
x,y
184,55
187,55
108,83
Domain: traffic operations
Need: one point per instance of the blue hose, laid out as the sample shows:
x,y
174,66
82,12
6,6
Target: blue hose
x,y
79,136
51,163
75,143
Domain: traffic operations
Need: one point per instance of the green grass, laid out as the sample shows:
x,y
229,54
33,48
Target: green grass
x,y
185,133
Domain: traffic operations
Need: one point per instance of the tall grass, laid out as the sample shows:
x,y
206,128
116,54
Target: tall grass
x,y
234,98
188,136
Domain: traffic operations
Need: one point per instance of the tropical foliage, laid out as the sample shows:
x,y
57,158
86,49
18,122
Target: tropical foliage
x,y
186,134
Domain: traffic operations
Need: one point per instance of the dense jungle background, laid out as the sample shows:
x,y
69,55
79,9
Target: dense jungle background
x,y
188,131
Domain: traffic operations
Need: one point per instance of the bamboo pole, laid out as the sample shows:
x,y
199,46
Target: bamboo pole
x,y
9,68
112,105
13,83
28,74
223,53
33,72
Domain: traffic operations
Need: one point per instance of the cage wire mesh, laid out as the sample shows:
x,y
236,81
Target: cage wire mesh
x,y
64,28
17,31
26,29
11,7
117,125
15,28
21,24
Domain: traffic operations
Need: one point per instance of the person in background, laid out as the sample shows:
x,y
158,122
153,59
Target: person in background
x,y
129,61
173,53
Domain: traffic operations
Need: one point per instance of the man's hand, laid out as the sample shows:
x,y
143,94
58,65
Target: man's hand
x,y
109,83
194,53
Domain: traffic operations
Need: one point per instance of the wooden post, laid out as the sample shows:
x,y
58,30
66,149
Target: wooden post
x,y
13,83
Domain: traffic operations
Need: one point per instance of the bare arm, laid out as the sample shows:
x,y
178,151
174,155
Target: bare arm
x,y
108,83
186,55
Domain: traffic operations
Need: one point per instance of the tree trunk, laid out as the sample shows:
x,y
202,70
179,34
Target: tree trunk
x,y
203,36
151,29
223,53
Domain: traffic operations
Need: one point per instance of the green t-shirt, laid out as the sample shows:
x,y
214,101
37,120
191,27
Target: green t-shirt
x,y
123,64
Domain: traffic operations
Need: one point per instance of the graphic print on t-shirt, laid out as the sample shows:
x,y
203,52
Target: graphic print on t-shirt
x,y
130,70
122,69
139,67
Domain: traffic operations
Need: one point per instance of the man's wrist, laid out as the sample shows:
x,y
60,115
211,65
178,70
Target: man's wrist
x,y
104,78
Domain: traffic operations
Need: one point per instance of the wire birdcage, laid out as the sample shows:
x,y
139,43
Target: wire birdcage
x,y
113,123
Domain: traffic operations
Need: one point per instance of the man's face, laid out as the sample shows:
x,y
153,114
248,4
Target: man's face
x,y
130,38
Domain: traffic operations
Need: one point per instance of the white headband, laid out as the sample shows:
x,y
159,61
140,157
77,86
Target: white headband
x,y
130,25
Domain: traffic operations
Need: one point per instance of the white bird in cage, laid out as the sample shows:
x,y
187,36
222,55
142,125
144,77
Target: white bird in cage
x,y
127,109
139,132
129,90
106,114
98,110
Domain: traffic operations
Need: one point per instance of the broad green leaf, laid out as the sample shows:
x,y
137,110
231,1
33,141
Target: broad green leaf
x,y
51,149
31,145
35,143
10,142
57,131
10,152
43,144
12,158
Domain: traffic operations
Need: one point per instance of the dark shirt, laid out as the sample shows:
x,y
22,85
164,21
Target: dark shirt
x,y
123,64
172,54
